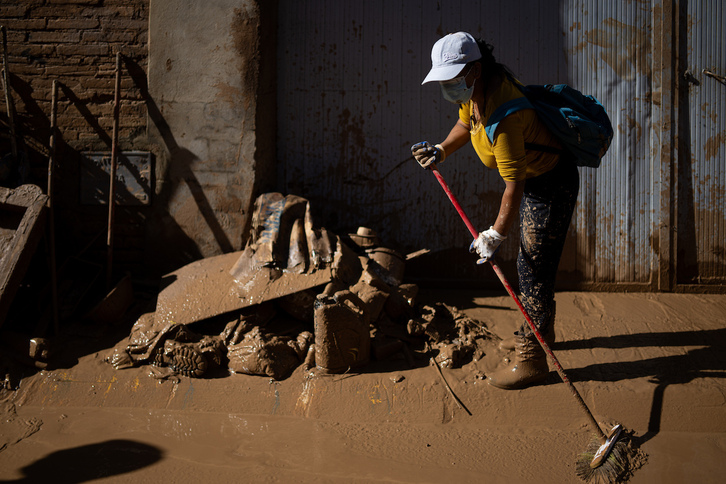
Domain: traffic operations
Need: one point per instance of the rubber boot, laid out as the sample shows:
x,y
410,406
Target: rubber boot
x,y
508,344
529,365
549,337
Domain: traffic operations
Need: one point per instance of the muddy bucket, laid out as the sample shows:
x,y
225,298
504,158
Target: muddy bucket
x,y
342,333
391,261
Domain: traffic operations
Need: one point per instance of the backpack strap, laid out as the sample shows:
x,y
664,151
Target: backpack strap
x,y
511,107
502,112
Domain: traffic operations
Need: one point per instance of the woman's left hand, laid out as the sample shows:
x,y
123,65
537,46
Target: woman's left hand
x,y
426,153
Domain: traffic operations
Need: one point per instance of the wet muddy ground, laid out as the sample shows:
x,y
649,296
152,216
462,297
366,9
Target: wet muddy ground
x,y
653,362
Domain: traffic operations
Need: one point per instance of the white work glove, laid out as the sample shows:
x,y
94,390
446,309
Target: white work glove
x,y
486,244
425,153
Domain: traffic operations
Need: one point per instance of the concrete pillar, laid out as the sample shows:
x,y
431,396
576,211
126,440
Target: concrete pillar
x,y
212,118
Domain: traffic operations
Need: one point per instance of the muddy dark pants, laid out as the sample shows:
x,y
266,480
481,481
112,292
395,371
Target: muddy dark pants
x,y
547,206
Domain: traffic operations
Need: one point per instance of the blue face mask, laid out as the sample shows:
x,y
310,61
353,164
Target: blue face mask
x,y
455,90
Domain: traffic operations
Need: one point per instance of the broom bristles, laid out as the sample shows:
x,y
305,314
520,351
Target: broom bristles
x,y
619,465
609,471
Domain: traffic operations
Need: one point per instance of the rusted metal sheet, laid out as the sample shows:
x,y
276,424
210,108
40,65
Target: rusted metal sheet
x,y
702,161
609,55
133,176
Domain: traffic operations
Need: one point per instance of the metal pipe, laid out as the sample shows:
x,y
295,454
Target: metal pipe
x,y
720,79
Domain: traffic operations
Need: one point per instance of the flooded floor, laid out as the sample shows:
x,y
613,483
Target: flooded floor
x,y
650,361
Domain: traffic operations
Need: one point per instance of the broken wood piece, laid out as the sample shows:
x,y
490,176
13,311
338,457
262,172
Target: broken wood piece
x,y
22,211
459,403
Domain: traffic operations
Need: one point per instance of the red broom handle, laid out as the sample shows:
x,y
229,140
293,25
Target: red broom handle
x,y
532,326
454,201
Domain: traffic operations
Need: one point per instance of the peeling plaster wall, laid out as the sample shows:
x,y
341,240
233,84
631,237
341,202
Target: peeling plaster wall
x,y
204,79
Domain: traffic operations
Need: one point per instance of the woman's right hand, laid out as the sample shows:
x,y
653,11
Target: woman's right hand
x,y
425,153
486,244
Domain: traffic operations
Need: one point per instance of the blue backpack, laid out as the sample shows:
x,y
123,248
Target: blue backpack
x,y
578,121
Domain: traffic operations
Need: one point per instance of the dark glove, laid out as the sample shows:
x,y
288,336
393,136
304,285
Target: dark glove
x,y
426,154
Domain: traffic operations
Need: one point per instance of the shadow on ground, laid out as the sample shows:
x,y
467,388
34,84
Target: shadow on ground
x,y
704,361
90,462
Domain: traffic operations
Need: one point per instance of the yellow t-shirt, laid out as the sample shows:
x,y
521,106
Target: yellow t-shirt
x,y
507,152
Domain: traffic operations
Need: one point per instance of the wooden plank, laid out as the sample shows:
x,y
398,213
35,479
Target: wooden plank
x,y
26,207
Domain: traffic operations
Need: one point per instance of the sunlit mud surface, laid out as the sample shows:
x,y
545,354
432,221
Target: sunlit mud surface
x,y
651,362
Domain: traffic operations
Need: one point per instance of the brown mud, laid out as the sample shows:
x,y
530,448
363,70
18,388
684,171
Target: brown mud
x,y
653,362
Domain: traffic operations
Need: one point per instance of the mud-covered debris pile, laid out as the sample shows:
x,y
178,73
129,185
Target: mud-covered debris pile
x,y
456,337
296,294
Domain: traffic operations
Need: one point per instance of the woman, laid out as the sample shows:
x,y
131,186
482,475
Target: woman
x,y
540,184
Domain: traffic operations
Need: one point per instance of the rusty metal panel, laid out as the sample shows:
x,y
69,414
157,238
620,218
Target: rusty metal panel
x,y
702,161
609,55
133,177
350,105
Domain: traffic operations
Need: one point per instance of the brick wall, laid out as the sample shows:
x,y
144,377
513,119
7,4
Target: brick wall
x,y
75,42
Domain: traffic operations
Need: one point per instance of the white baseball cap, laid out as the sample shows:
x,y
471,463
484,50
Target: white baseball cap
x,y
449,56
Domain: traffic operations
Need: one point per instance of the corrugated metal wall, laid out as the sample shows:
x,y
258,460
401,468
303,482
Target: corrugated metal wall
x,y
609,55
350,105
702,160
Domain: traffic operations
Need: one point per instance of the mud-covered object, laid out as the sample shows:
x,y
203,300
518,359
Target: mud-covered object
x,y
268,355
284,237
174,345
190,358
342,332
146,338
286,253
21,348
287,260
257,316
138,348
401,301
456,338
389,264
